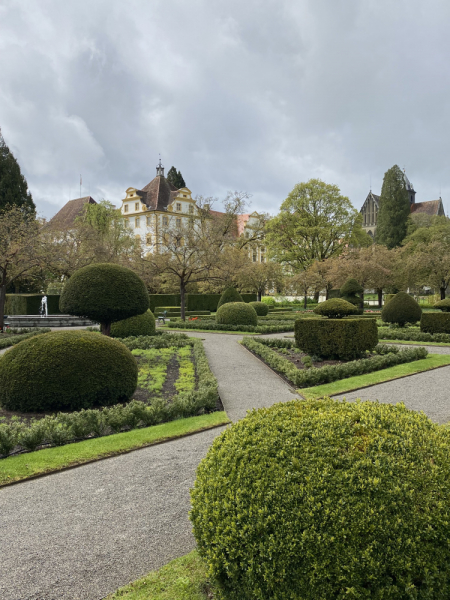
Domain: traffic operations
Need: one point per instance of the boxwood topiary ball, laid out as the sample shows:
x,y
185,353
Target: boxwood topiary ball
x,y
443,305
139,325
229,295
236,313
308,500
66,370
401,309
336,308
261,309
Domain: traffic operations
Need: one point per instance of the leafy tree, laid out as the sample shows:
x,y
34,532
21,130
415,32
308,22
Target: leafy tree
x,y
315,222
20,249
305,282
395,208
257,277
13,185
176,178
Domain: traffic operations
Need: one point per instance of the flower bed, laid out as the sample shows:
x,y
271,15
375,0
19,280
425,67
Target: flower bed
x,y
383,358
175,381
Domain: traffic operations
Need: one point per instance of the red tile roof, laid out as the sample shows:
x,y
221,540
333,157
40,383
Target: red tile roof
x,y
70,211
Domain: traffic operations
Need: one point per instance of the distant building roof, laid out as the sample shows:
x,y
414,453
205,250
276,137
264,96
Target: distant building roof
x,y
70,211
158,194
432,207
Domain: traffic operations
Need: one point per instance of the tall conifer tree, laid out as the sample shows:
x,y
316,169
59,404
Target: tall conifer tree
x,y
394,209
176,178
13,185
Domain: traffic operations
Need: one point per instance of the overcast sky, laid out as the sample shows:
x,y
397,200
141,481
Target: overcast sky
x,y
253,95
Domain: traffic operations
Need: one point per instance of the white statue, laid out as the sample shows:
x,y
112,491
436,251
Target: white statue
x,y
44,307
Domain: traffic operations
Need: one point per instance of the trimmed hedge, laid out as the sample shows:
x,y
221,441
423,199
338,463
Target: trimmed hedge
x,y
443,305
104,293
435,322
10,340
66,370
67,428
411,335
29,304
336,338
336,308
261,309
138,325
279,327
229,295
350,291
388,298
326,500
389,357
401,309
236,313
194,302
157,300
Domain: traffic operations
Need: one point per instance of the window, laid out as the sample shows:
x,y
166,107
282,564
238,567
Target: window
x,y
184,195
137,222
136,206
125,208
263,258
127,222
191,209
178,222
255,256
263,249
149,220
178,205
149,240
165,220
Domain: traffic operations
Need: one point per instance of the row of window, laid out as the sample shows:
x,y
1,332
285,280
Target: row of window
x,y
137,207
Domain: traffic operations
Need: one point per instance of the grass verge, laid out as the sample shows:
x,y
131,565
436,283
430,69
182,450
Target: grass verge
x,y
361,381
407,343
49,460
183,578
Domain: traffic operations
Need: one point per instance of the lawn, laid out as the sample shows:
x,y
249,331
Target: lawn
x,y
184,578
49,460
361,381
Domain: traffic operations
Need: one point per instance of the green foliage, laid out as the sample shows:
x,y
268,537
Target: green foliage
x,y
29,304
274,327
435,322
388,298
138,325
443,305
157,300
104,293
66,370
13,186
336,308
325,500
412,335
336,338
229,295
401,309
261,308
236,313
175,178
270,300
9,340
350,290
394,211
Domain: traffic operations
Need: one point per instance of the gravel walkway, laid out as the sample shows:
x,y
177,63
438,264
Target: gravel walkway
x,y
81,534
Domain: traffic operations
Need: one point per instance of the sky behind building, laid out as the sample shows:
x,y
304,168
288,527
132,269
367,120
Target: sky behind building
x,y
253,96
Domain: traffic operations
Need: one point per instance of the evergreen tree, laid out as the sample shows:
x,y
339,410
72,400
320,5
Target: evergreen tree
x,y
13,185
392,222
176,178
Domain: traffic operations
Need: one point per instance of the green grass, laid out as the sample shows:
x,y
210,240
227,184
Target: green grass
x,y
24,466
409,342
354,383
212,331
184,578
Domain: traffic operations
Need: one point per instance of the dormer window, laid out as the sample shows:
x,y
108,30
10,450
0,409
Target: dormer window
x,y
136,206
184,195
178,205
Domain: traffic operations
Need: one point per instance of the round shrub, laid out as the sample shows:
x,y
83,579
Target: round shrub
x,y
311,500
104,293
336,308
270,300
139,325
261,309
230,295
66,370
401,309
237,313
443,305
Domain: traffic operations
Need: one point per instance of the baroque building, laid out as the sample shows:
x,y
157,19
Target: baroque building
x,y
371,206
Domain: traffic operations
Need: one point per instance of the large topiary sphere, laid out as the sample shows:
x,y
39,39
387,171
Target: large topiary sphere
x,y
66,370
324,500
261,309
443,305
236,313
336,308
401,309
104,293
229,295
139,325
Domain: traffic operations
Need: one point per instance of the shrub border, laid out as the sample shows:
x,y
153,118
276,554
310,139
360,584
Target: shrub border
x,y
412,336
11,340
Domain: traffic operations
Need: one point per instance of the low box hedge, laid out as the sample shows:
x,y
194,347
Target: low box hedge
x,y
435,322
341,338
310,377
208,325
412,335
10,340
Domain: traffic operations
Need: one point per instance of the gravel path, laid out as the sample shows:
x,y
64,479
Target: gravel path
x,y
81,534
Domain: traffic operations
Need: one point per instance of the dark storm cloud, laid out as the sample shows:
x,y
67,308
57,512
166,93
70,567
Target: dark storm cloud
x,y
251,95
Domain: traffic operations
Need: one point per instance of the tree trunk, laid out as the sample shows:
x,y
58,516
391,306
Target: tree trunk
x,y
380,297
361,304
183,300
105,328
327,291
259,296
316,296
305,302
2,305
442,289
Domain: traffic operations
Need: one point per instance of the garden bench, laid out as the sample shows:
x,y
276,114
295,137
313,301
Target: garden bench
x,y
162,317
